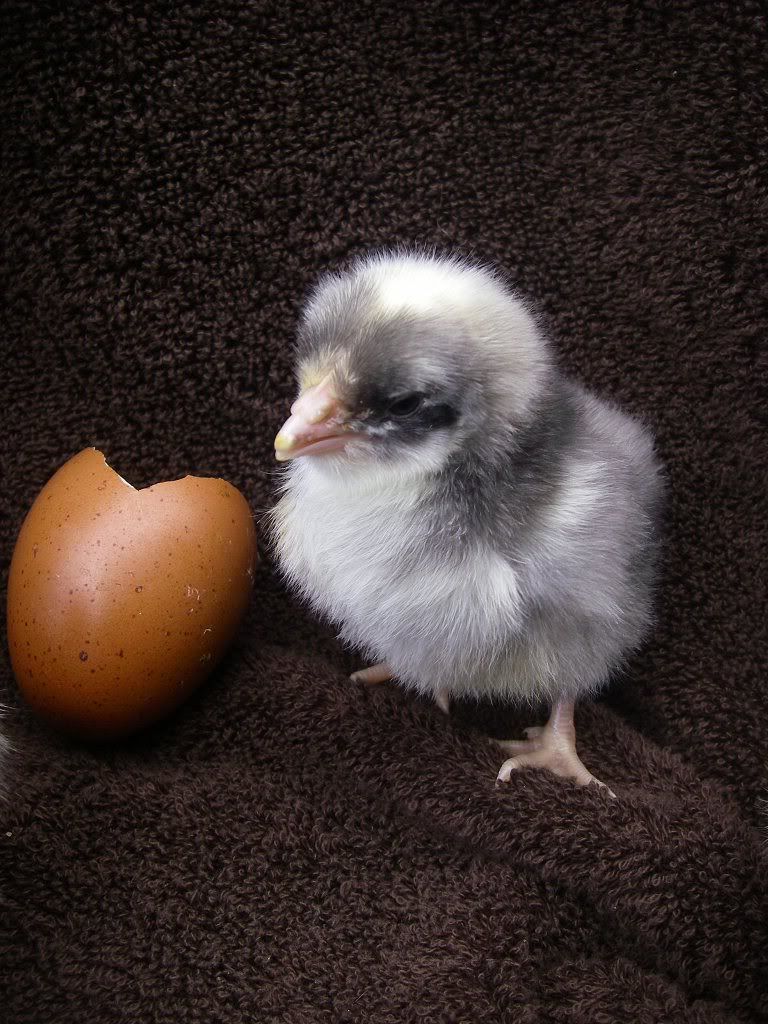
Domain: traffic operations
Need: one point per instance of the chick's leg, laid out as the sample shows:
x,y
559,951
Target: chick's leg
x,y
552,746
375,674
443,701
382,673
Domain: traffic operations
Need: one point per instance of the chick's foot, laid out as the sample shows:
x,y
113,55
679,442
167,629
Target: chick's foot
x,y
552,747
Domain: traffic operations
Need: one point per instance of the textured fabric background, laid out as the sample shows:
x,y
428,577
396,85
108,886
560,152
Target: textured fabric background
x,y
291,847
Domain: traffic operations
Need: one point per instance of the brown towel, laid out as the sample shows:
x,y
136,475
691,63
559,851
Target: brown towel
x,y
291,847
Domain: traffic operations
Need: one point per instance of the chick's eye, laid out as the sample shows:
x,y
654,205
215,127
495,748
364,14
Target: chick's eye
x,y
406,405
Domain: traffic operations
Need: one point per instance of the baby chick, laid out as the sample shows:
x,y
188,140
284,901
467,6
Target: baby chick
x,y
472,520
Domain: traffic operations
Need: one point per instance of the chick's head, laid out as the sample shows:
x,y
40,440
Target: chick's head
x,y
407,358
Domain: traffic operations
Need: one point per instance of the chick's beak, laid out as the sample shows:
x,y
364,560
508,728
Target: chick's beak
x,y
317,424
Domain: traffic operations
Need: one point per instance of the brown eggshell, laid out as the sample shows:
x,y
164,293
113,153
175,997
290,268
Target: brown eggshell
x,y
121,601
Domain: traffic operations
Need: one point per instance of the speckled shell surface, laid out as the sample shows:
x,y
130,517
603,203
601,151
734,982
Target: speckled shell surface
x,y
121,601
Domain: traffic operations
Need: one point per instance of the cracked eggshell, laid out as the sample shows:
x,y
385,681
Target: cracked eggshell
x,y
121,601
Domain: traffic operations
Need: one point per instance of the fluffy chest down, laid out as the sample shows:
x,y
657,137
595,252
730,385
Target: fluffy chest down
x,y
436,607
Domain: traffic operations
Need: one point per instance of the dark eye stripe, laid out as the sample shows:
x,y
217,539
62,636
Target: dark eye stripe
x,y
439,415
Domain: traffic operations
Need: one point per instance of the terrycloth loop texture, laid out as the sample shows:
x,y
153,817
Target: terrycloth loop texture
x,y
292,847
